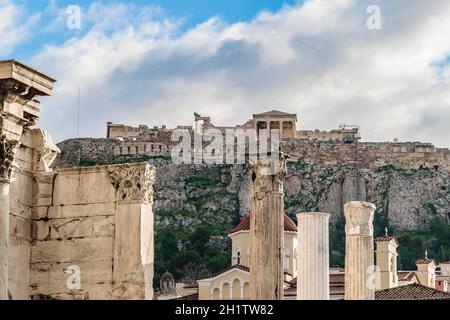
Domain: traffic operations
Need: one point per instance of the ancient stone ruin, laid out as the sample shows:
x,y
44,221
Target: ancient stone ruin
x,y
90,225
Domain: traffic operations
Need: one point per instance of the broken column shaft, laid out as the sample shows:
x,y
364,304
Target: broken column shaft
x,y
359,254
267,229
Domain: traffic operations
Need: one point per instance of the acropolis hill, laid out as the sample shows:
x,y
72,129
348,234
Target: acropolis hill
x,y
336,147
409,182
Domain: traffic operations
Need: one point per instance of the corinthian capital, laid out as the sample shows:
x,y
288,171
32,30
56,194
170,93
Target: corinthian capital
x,y
133,182
7,152
359,218
268,173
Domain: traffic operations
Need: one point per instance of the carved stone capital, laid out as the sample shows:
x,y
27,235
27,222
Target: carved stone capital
x,y
268,174
133,182
44,152
359,218
8,149
18,90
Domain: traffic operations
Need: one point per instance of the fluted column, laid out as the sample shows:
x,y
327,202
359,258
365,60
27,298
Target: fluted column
x,y
267,230
313,256
7,151
359,253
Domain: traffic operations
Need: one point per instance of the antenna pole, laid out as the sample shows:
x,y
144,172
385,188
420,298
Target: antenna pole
x,y
78,114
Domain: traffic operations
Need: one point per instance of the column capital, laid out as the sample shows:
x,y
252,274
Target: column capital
x,y
133,182
277,160
8,149
308,215
359,218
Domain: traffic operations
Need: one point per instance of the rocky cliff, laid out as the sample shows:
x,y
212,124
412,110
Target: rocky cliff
x,y
196,205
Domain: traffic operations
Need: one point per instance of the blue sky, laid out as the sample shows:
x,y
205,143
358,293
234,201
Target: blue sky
x,y
158,62
191,12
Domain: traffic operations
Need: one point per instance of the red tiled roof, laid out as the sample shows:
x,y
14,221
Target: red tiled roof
x,y
406,275
289,225
337,278
236,266
337,284
189,297
190,285
425,261
412,291
386,238
290,292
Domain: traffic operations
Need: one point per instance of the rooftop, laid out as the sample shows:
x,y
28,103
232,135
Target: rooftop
x,y
386,238
275,113
412,291
244,225
425,261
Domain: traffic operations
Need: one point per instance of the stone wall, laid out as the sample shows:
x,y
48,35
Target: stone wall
x,y
407,155
100,220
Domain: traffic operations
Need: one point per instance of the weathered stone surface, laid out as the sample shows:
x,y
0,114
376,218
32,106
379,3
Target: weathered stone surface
x,y
81,210
52,277
82,186
86,249
96,291
267,230
133,252
359,254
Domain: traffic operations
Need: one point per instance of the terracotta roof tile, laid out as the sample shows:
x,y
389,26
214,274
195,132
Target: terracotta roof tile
x,y
406,275
425,261
337,284
337,278
236,266
412,291
290,292
289,225
189,297
190,285
386,238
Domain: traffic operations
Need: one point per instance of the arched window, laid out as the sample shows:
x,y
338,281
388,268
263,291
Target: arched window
x,y
238,256
286,258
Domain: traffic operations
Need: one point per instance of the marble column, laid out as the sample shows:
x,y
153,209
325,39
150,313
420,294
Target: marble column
x,y
359,253
134,231
313,259
267,230
7,150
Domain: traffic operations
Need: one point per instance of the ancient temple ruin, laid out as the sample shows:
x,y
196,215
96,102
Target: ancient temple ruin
x,y
74,233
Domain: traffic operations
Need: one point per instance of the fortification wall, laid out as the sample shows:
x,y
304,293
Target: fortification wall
x,y
407,155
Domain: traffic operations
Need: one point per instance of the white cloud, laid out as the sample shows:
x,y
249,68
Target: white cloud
x,y
14,28
318,60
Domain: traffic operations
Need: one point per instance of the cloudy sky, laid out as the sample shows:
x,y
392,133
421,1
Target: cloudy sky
x,y
156,62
